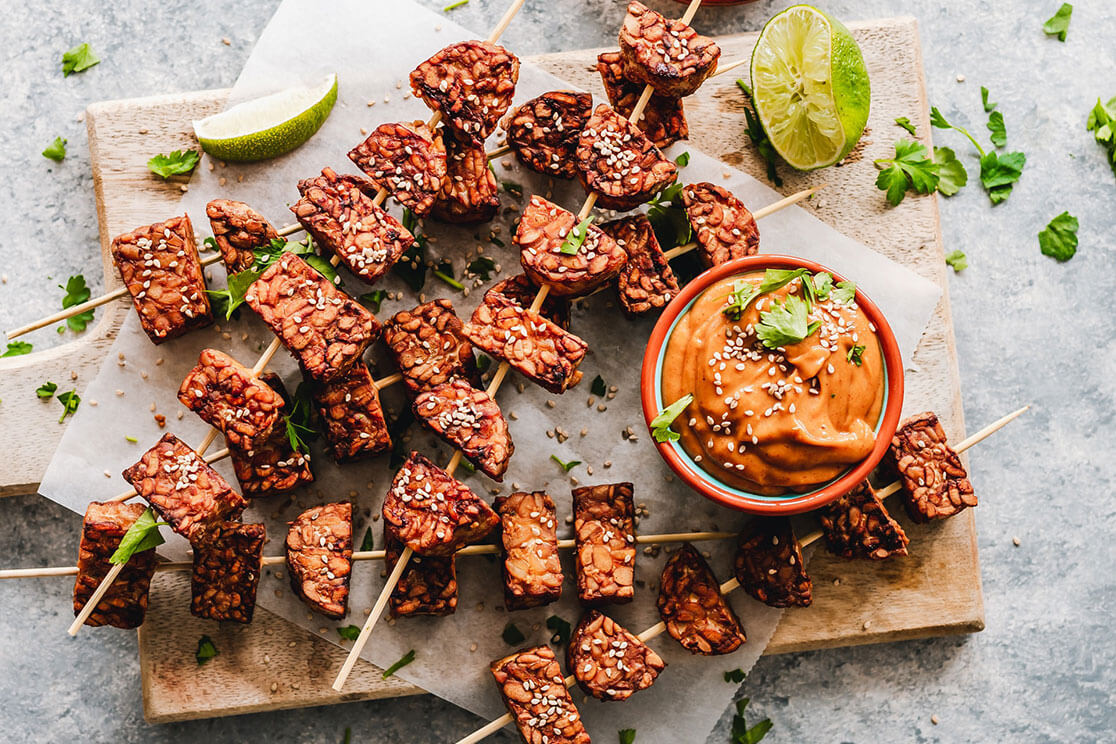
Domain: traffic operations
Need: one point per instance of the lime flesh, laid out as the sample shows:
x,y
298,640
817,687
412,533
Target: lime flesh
x,y
269,126
810,87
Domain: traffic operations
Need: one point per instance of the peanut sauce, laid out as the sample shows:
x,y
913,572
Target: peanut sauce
x,y
772,420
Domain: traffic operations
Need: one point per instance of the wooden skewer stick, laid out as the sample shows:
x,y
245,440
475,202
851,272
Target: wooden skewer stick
x,y
732,584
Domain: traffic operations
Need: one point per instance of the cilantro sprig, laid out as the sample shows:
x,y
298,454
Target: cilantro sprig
x,y
911,169
76,293
575,238
179,161
366,544
998,171
786,323
142,535
1102,123
660,425
566,466
599,386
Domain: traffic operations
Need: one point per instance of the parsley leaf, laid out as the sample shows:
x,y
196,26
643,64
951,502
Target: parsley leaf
x,y
743,292
683,160
76,293
512,635
997,128
566,466
56,150
46,390
78,59
560,628
998,173
366,543
268,254
855,354
69,403
1058,25
1102,122
736,676
179,161
481,266
626,736
349,632
823,284
17,348
910,169
904,122
142,535
741,734
660,425
952,175
758,135
785,323
576,237
938,121
226,301
599,387
372,300
404,660
206,650
988,105
845,292
1059,238
957,260
323,267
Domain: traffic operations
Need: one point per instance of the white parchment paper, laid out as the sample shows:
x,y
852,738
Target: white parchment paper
x,y
300,45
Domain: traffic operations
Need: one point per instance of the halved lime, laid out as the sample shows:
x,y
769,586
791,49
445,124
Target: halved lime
x,y
270,126
810,87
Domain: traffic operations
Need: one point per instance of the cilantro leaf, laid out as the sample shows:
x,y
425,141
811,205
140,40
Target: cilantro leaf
x,y
142,535
483,362
404,660
206,650
997,128
512,635
323,267
660,425
743,292
268,254
952,175
938,121
576,237
512,188
69,403
210,245
56,150
411,266
855,354
758,135
17,348
668,217
988,105
349,632
785,323
76,293
999,172
823,284
682,160
78,59
626,736
372,300
1059,238
366,544
299,421
566,466
904,122
910,169
957,260
1102,122
46,390
741,734
560,628
227,300
179,161
736,676
482,267
599,387
1058,25
845,292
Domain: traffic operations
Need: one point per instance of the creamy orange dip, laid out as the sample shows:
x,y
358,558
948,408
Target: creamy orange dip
x,y
772,420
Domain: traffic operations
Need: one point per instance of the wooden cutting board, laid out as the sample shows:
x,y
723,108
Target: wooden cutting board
x,y
273,664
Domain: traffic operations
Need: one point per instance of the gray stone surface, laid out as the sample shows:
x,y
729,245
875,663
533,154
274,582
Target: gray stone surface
x,y
1028,330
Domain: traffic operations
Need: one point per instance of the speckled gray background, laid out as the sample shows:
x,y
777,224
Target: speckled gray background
x,y
1028,330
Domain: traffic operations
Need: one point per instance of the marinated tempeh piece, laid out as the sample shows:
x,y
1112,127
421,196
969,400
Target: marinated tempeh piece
x,y
663,119
723,226
320,557
646,282
270,465
935,483
543,132
230,397
160,267
534,691
609,662
616,161
666,54
858,525
409,160
427,586
227,572
470,194
471,83
532,569
693,609
352,417
323,328
530,343
519,289
238,230
769,563
432,512
471,421
339,212
124,605
430,347
188,494
604,533
540,237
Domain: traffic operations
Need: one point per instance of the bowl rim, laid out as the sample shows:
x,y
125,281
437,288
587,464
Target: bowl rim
x,y
705,483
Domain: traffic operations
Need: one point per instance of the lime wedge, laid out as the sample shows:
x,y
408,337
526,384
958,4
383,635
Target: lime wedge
x,y
810,87
270,126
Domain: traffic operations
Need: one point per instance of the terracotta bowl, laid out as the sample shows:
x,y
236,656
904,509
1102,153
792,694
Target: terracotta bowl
x,y
708,485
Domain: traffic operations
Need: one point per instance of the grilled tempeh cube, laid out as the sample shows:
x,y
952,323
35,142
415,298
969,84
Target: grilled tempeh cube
x,y
858,525
534,691
723,226
519,289
604,532
428,584
935,483
433,513
320,557
160,267
609,662
339,212
665,54
409,160
530,343
269,464
471,421
646,282
471,83
470,194
238,230
230,397
352,417
769,563
191,496
125,603
663,119
693,609
429,346
540,236
227,572
616,161
543,132
323,328
528,537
